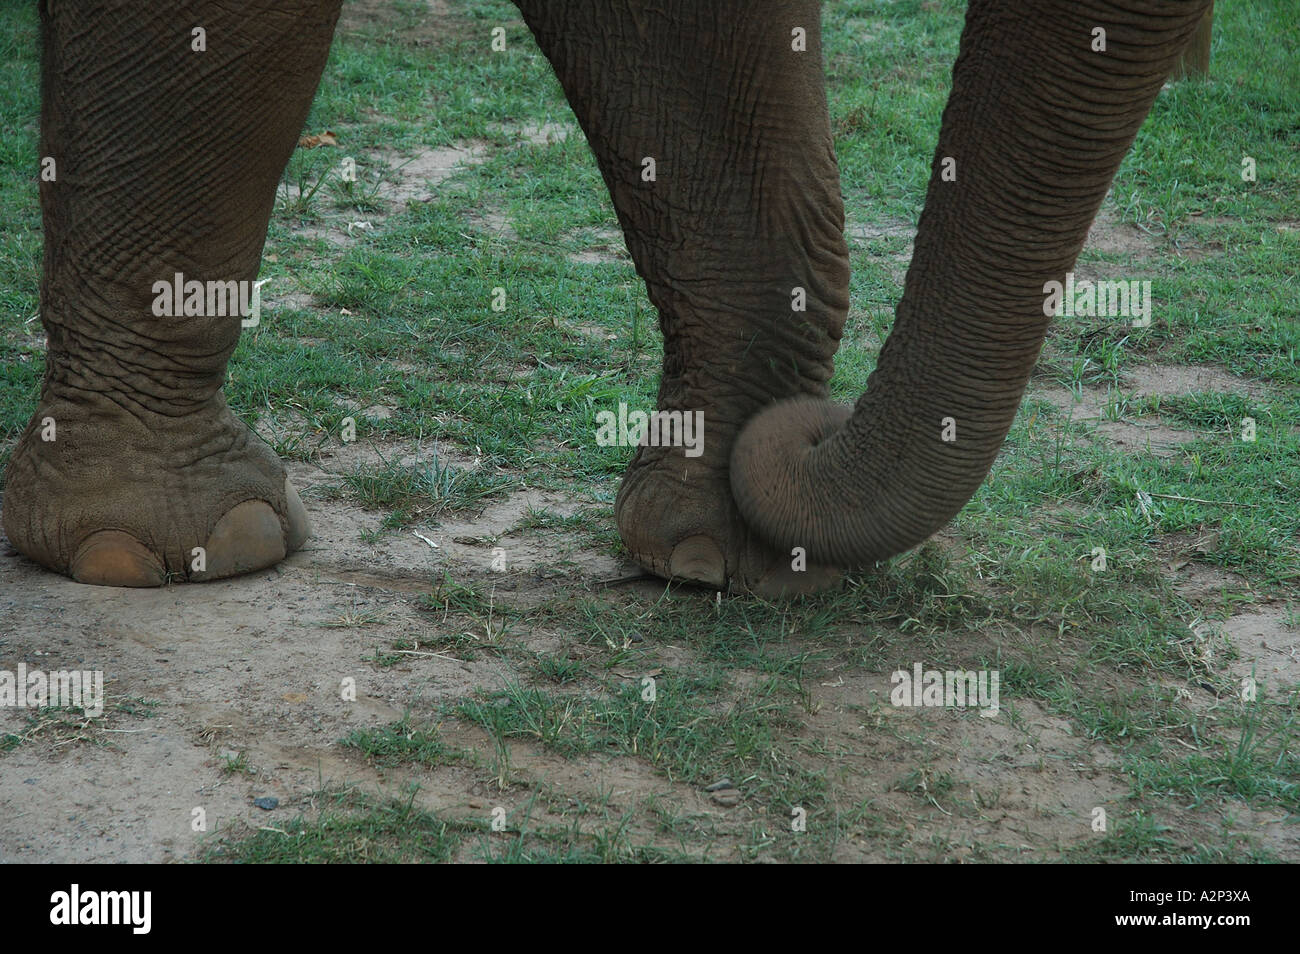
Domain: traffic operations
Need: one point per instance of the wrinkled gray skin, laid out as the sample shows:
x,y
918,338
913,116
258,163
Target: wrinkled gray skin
x,y
168,161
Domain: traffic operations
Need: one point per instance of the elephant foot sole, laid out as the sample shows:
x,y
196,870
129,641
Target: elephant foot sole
x,y
678,521
113,498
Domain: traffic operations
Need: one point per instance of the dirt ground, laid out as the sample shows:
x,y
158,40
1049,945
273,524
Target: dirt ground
x,y
253,667
250,665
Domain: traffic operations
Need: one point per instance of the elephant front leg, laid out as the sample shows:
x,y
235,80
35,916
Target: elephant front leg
x,y
710,126
164,131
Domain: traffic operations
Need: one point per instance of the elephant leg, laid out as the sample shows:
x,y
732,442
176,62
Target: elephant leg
x,y
168,126
711,130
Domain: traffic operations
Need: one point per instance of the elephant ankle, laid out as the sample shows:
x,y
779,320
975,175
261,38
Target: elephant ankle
x,y
144,363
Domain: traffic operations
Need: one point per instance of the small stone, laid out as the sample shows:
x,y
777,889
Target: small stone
x,y
726,797
266,803
720,784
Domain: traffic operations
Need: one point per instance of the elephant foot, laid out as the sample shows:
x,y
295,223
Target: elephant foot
x,y
118,498
678,521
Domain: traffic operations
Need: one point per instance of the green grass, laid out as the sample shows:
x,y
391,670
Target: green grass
x,y
689,731
350,829
401,742
1260,766
237,764
400,315
422,492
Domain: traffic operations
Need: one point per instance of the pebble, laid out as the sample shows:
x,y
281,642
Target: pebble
x,y
266,803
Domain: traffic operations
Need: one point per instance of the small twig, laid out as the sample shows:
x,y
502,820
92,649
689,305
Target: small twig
x,y
1222,503
624,579
425,539
411,652
937,805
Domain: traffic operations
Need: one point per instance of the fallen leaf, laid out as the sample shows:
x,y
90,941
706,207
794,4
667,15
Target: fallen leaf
x,y
327,138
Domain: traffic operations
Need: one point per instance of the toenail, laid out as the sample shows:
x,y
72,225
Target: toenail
x,y
115,558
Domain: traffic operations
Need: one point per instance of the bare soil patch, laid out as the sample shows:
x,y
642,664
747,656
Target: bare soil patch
x,y
1106,409
1090,405
251,665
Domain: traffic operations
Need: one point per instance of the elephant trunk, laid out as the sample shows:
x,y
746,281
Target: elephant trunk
x,y
1043,109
